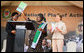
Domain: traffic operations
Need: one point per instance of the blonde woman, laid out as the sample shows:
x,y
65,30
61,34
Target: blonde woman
x,y
58,30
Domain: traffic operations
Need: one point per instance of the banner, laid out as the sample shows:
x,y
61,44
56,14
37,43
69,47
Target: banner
x,y
37,35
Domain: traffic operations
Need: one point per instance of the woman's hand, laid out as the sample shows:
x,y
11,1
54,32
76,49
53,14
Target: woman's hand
x,y
58,29
40,29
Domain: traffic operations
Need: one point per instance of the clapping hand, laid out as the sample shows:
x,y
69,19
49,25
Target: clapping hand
x,y
58,29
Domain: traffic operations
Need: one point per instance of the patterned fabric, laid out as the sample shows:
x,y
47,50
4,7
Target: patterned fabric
x,y
57,34
31,37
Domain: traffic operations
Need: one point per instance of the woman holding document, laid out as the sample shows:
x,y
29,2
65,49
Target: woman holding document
x,y
35,45
58,29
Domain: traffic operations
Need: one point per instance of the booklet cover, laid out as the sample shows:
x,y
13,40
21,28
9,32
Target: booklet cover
x,y
21,7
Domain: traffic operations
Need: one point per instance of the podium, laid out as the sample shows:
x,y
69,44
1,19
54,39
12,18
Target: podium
x,y
21,27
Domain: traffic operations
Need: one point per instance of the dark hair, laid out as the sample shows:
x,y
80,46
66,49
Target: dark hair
x,y
42,17
60,16
14,13
45,39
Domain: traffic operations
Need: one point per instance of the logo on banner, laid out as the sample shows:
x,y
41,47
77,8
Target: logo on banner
x,y
6,13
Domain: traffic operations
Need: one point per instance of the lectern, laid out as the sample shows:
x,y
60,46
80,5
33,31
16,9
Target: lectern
x,y
21,27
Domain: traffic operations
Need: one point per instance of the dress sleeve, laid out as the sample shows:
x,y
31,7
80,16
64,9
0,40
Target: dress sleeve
x,y
45,29
64,30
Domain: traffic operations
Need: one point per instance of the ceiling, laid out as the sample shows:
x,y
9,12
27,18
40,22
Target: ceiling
x,y
44,3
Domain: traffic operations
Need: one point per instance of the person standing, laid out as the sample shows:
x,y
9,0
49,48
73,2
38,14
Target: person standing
x,y
37,23
10,29
58,30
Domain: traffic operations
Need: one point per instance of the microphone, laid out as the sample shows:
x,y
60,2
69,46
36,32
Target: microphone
x,y
19,15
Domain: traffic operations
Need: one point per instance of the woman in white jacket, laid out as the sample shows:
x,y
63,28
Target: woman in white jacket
x,y
58,29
